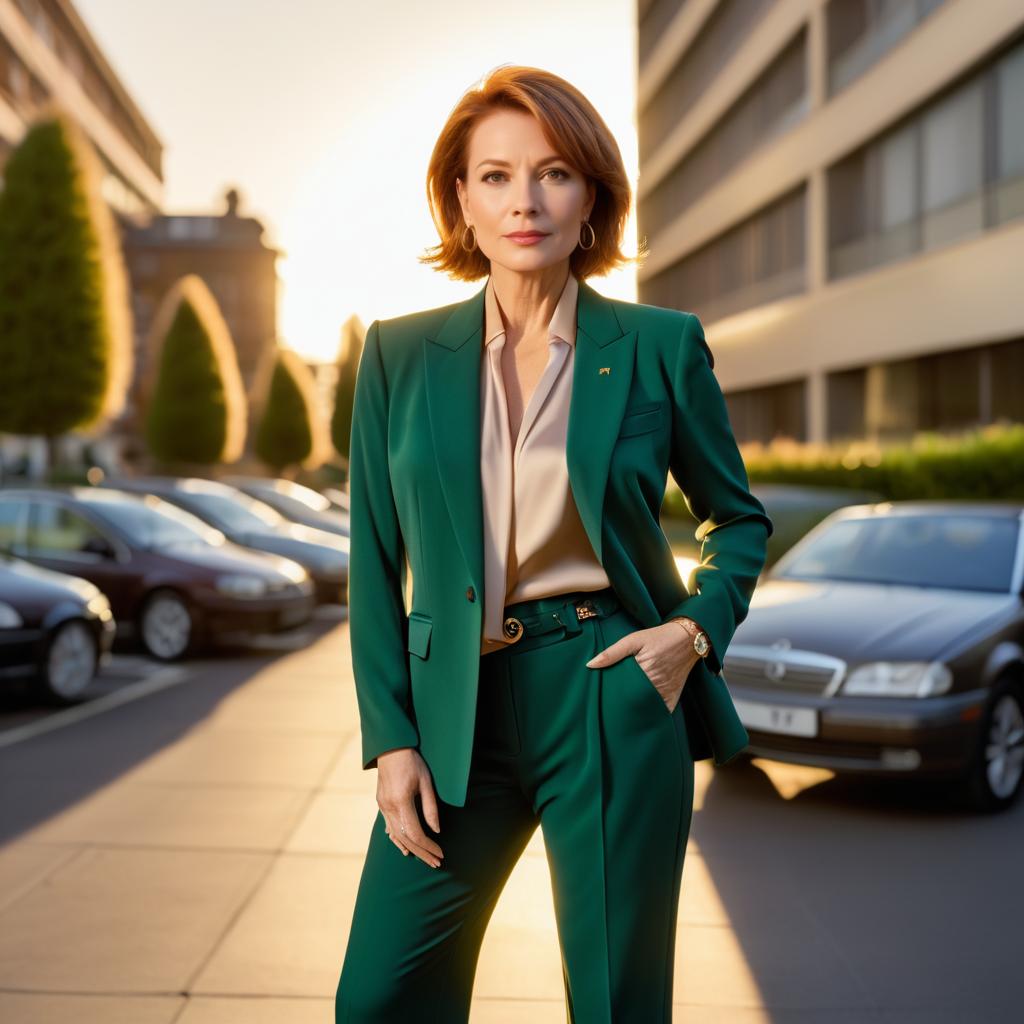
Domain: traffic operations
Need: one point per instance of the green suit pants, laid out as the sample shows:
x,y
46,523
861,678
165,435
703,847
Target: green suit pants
x,y
594,757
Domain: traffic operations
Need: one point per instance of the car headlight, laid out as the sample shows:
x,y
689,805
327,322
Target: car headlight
x,y
98,604
242,586
899,679
9,617
291,570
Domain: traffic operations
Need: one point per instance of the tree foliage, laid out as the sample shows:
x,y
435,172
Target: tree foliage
x,y
350,350
195,400
291,431
65,321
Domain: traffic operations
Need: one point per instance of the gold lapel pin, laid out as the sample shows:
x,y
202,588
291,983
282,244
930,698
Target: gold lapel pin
x,y
604,369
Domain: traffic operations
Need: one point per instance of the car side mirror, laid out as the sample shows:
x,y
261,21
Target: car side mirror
x,y
97,545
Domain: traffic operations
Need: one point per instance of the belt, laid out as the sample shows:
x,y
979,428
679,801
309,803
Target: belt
x,y
544,614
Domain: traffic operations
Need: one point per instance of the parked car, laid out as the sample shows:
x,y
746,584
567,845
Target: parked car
x,y
55,630
294,501
254,524
171,579
890,640
338,498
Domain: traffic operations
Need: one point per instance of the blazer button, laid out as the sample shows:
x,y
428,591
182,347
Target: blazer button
x,y
470,594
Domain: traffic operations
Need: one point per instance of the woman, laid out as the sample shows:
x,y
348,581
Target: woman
x,y
511,451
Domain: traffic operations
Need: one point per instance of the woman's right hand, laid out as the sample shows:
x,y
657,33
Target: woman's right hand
x,y
402,775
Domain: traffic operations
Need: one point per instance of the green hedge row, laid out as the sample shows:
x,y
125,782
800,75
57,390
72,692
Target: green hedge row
x,y
983,463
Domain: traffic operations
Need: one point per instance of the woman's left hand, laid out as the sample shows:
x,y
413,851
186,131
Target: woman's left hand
x,y
664,652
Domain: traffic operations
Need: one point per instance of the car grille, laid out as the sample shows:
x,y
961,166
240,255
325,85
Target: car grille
x,y
785,670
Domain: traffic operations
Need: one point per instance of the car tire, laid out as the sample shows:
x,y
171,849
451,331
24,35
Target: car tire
x,y
167,626
994,779
69,663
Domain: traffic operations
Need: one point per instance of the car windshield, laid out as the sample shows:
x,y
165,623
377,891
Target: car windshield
x,y
962,552
241,513
152,523
297,493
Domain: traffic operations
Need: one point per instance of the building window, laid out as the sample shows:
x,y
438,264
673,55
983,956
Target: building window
x,y
726,29
949,171
861,32
773,103
764,414
943,391
759,260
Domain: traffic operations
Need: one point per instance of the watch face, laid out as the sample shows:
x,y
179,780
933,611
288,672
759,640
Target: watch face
x,y
701,645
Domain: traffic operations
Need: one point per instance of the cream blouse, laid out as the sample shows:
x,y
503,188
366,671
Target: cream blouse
x,y
534,541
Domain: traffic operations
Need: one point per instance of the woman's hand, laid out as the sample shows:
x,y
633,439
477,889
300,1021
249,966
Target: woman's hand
x,y
402,775
664,652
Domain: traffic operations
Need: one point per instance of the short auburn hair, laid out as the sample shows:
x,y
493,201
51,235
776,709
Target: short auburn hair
x,y
574,129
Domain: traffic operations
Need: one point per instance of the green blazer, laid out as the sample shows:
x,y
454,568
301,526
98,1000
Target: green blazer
x,y
644,403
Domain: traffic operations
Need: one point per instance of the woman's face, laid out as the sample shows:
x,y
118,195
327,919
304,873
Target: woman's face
x,y
516,182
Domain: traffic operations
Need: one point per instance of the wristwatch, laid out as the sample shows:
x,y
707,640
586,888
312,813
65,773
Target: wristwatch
x,y
701,642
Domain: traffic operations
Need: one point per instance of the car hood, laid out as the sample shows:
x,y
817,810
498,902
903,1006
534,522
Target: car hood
x,y
870,621
27,581
228,557
326,559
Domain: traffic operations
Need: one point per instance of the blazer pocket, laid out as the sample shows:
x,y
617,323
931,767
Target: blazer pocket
x,y
640,419
420,626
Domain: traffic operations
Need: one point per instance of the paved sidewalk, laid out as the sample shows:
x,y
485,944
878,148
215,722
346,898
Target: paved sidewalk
x,y
192,857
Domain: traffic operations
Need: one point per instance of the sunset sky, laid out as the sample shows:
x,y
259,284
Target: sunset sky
x,y
324,114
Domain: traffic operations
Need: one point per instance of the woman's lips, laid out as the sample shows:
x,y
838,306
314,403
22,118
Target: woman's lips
x,y
527,238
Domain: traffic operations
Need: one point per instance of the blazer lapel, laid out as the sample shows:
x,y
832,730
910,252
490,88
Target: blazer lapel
x,y
602,375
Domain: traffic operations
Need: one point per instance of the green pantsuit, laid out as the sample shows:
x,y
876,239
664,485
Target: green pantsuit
x,y
529,735
596,759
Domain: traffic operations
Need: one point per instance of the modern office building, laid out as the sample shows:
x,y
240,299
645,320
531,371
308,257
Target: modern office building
x,y
47,54
836,187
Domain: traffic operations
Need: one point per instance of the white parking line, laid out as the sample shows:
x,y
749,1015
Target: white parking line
x,y
159,680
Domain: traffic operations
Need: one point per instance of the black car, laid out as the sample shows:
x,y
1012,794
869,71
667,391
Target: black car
x,y
254,524
170,578
890,640
55,630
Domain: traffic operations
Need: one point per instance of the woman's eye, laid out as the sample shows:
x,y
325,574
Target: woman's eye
x,y
557,170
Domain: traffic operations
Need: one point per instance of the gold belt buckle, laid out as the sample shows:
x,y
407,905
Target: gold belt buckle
x,y
586,610
512,628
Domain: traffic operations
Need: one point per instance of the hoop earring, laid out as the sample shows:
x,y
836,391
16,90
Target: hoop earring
x,y
593,235
462,239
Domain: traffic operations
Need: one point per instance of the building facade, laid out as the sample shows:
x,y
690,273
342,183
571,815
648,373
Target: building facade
x,y
47,54
836,187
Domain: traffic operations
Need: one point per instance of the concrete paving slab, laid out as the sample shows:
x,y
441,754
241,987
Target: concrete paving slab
x,y
243,757
23,865
289,939
33,1008
190,815
128,921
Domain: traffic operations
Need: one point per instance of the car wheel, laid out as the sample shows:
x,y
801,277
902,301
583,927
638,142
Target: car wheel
x,y
70,663
994,780
166,625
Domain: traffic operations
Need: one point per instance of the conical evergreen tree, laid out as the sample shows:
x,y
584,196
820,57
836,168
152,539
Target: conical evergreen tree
x,y
352,335
291,431
65,321
194,396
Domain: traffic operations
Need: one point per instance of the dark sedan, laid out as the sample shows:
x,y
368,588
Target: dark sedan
x,y
55,630
254,524
890,640
170,578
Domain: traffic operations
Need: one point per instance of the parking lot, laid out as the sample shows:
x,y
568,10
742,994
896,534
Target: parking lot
x,y
192,856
